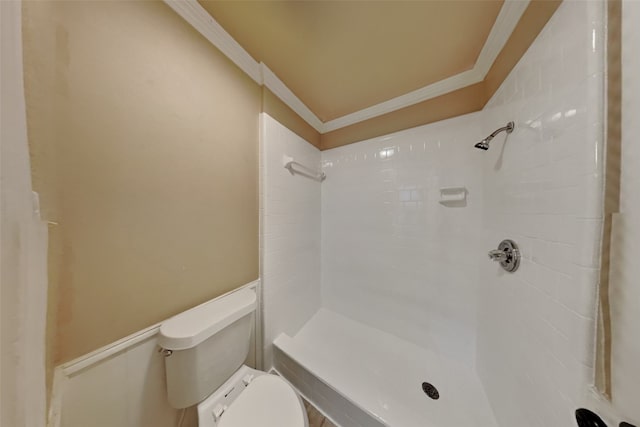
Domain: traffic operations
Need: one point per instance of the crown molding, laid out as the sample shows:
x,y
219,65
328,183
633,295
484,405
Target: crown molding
x,y
192,12
441,87
506,21
277,86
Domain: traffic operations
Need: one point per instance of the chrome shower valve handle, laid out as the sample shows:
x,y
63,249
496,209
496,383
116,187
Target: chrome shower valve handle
x,y
497,255
507,254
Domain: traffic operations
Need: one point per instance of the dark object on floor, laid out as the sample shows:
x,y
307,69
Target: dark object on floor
x,y
586,418
625,424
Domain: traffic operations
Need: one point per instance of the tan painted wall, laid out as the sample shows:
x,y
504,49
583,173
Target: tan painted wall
x,y
144,146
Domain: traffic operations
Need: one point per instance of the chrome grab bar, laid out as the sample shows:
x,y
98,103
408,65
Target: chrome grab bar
x,y
306,170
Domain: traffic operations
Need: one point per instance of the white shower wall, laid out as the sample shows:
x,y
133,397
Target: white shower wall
x,y
544,189
392,256
290,233
397,260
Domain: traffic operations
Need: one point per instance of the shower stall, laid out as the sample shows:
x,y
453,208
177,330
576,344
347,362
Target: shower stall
x,y
380,303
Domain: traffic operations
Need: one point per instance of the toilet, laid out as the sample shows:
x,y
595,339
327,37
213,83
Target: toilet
x,y
205,349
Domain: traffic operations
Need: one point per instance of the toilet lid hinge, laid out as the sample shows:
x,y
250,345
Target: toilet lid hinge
x,y
218,411
247,379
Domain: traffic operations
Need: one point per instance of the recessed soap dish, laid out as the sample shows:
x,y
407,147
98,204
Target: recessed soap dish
x,y
453,196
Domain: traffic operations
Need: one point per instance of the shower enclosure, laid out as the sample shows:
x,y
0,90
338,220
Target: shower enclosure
x,y
380,304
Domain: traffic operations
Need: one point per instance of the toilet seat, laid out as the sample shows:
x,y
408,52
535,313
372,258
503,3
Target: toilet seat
x,y
268,401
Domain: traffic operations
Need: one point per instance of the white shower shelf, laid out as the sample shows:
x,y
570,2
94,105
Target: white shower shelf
x,y
453,196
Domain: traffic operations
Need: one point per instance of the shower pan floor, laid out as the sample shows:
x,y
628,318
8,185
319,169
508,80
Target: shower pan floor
x,y
382,375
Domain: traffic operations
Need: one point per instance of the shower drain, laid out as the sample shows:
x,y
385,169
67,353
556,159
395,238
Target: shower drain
x,y
430,390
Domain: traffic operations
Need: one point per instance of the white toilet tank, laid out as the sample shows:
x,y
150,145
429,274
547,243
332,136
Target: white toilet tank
x,y
208,344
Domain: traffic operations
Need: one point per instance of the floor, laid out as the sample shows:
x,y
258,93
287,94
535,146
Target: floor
x,y
316,419
383,374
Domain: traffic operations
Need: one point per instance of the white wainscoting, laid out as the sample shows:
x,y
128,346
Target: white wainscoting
x,y
123,384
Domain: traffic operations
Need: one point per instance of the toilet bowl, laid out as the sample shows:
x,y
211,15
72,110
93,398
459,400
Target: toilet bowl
x,y
205,349
253,398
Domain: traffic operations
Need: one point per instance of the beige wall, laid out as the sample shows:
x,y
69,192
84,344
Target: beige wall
x,y
624,292
144,146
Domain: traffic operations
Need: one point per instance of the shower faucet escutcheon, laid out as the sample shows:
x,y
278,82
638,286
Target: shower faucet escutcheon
x,y
507,254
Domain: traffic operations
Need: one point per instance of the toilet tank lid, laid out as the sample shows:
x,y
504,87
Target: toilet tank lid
x,y
190,328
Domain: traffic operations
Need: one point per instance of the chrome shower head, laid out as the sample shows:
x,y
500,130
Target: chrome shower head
x,y
484,144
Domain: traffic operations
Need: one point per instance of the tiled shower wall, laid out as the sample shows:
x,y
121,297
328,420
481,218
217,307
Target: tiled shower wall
x,y
290,233
543,188
392,256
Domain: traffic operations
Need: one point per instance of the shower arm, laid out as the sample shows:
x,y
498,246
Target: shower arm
x,y
508,128
484,144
